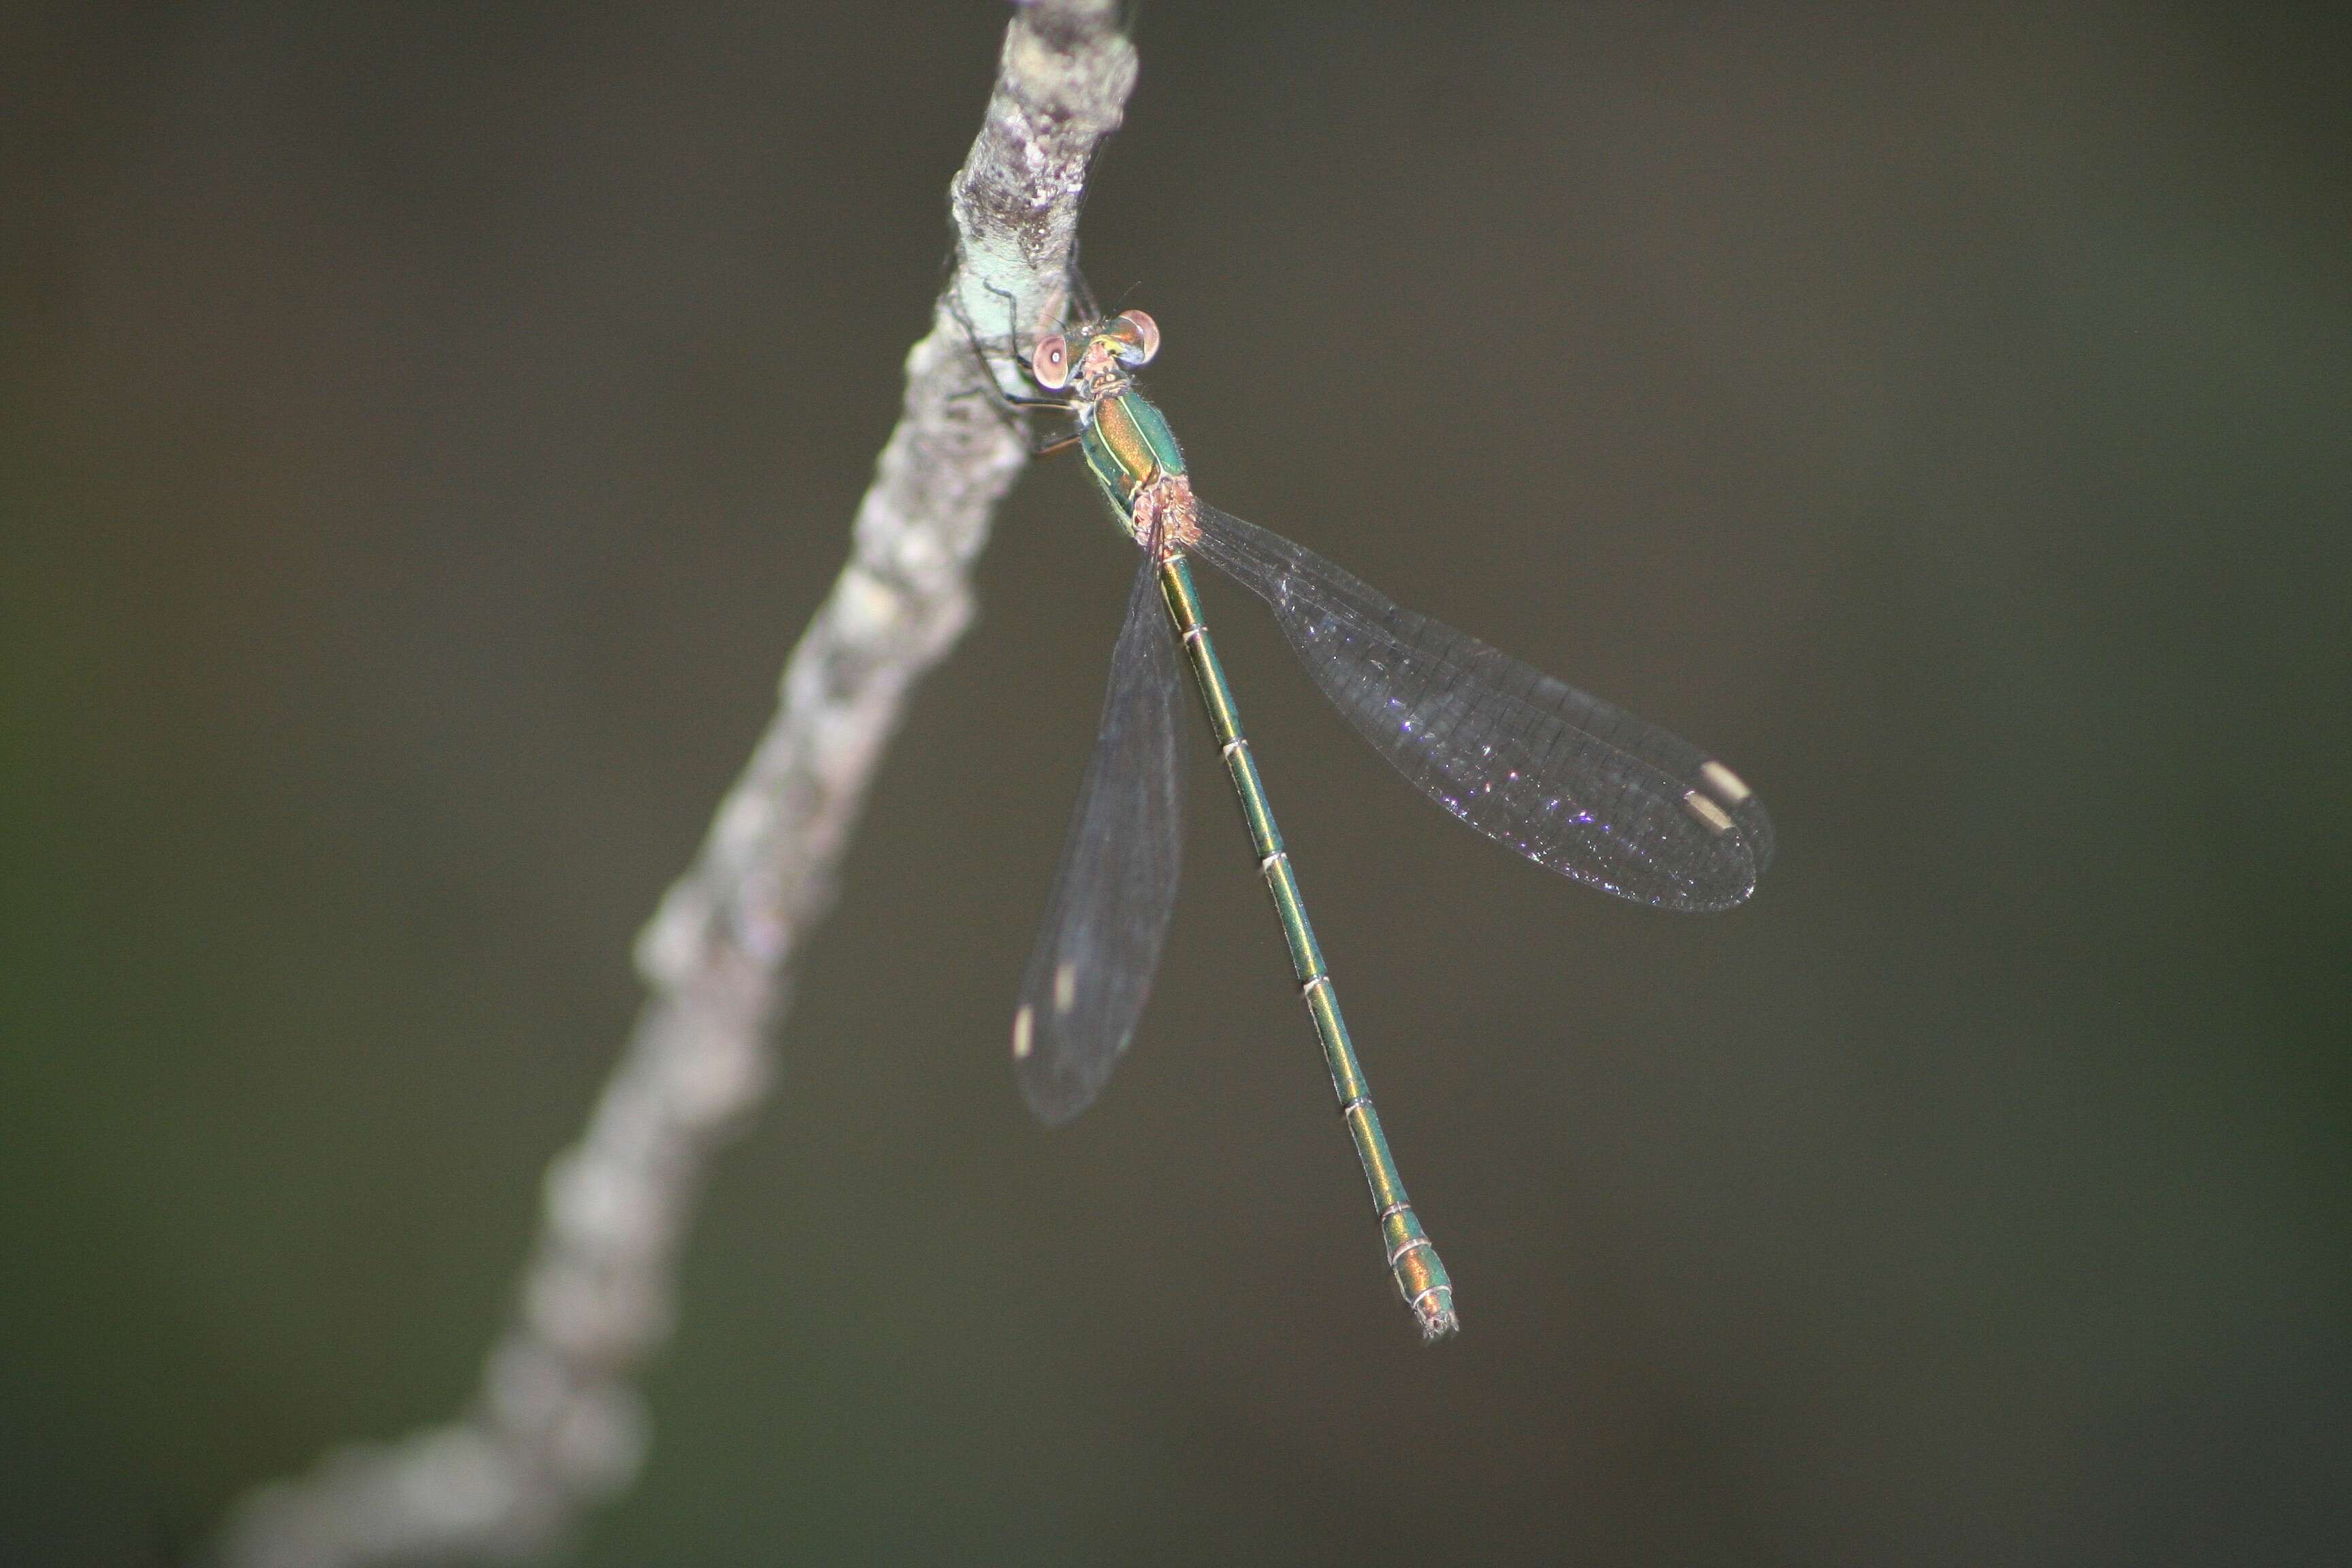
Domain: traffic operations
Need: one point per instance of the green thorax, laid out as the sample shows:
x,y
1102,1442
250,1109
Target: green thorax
x,y
1129,447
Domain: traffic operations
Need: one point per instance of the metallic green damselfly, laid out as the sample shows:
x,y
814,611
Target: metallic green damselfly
x,y
1564,779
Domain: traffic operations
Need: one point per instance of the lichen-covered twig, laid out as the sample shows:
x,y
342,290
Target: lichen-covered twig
x,y
558,1423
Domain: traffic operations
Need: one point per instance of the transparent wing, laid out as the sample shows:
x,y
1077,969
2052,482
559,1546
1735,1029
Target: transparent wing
x,y
1108,919
1563,778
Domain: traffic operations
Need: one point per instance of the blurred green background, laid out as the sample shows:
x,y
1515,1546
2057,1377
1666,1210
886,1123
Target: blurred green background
x,y
427,428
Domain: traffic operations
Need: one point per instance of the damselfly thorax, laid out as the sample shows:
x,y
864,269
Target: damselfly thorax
x,y
1129,450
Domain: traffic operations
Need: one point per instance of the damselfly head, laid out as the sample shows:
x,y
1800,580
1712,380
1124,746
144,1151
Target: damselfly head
x,y
1094,363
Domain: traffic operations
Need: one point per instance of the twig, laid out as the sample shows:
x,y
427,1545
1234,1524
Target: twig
x,y
558,1423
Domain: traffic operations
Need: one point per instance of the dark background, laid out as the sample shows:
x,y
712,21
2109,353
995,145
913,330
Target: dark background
x,y
427,429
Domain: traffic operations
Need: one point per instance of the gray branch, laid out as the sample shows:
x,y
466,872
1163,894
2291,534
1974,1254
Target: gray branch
x,y
558,1423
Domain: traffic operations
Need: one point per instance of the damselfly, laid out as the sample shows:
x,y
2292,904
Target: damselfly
x,y
1566,780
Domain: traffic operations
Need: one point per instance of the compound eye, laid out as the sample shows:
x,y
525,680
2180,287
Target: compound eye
x,y
1141,341
1049,363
